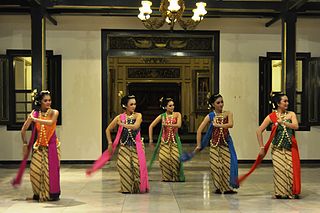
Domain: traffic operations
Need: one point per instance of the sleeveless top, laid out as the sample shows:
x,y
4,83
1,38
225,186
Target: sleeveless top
x,y
168,133
44,132
282,138
219,135
128,136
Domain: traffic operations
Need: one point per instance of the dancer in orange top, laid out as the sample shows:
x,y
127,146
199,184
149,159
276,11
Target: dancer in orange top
x,y
45,165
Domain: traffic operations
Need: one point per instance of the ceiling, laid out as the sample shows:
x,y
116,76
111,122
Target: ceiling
x,y
272,9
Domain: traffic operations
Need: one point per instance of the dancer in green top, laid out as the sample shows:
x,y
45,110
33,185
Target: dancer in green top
x,y
168,142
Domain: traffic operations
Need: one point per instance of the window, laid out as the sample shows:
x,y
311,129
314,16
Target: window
x,y
4,90
22,87
313,86
272,79
277,80
15,98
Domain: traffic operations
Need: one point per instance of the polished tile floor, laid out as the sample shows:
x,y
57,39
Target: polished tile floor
x,y
100,193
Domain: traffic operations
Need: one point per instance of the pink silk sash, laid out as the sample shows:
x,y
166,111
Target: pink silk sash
x,y
17,180
106,156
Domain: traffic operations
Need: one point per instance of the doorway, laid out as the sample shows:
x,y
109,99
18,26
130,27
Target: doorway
x,y
154,48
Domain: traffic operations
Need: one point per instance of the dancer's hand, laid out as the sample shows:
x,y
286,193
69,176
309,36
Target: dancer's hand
x,y
262,152
215,123
280,121
151,145
197,149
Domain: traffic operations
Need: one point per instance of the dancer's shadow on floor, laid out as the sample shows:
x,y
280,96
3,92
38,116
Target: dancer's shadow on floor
x,y
62,203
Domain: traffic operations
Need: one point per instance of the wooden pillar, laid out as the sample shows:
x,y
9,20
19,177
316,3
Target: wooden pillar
x,y
38,47
289,56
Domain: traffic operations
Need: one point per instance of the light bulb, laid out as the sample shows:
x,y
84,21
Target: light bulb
x,y
168,20
173,6
146,7
143,17
196,17
201,8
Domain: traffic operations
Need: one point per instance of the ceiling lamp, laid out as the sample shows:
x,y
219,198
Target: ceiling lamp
x,y
171,12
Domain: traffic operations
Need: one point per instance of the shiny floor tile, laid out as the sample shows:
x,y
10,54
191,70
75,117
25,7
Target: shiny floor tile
x,y
100,193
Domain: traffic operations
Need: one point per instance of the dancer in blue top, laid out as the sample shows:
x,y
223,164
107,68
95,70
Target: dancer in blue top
x,y
223,158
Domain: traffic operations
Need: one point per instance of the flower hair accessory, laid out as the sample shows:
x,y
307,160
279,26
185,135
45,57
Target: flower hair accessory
x,y
208,100
161,102
120,93
166,101
208,95
34,94
272,95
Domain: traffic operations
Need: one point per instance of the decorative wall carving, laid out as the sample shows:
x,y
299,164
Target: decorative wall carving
x,y
153,72
154,60
169,43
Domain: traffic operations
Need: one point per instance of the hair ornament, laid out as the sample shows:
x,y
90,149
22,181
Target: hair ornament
x,y
34,95
161,102
273,96
45,92
120,94
208,95
208,102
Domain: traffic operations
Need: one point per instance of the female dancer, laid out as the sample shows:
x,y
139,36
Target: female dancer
x,y
45,160
284,149
169,142
131,162
223,158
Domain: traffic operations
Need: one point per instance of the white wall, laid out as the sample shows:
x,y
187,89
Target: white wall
x,y
78,40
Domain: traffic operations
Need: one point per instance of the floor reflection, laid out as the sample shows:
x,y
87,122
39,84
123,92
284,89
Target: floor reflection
x,y
100,193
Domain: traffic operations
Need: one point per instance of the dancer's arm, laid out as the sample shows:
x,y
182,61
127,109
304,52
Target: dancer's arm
x,y
110,127
152,125
55,114
136,125
24,129
204,123
259,132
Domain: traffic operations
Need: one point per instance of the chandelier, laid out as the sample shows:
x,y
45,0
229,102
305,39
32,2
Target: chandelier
x,y
171,12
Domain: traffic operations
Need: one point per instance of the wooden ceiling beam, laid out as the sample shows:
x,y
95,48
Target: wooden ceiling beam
x,y
251,5
42,4
247,9
295,6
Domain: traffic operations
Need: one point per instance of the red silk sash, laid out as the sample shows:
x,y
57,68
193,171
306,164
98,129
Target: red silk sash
x,y
296,189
